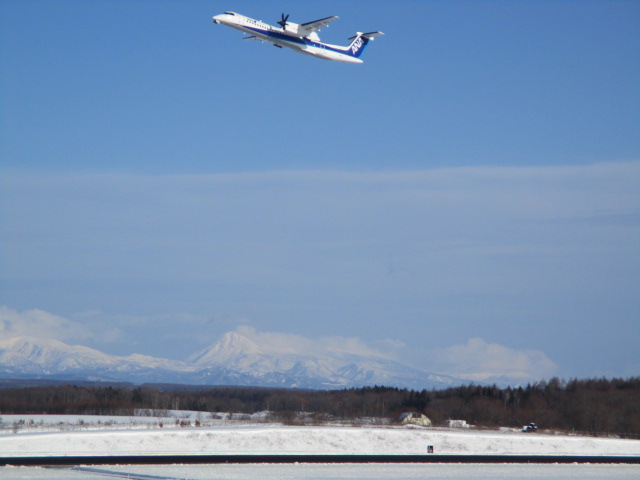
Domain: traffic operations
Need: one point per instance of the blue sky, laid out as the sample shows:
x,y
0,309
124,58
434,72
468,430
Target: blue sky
x,y
470,193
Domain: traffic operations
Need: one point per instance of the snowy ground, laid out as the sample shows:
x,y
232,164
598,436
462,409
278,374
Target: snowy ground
x,y
36,435
329,472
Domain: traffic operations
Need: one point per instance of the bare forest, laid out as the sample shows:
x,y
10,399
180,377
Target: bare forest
x,y
593,406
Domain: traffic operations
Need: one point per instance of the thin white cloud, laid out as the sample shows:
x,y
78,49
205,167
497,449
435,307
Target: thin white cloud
x,y
287,343
41,324
480,360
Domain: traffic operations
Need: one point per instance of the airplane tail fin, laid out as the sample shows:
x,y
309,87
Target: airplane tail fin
x,y
359,42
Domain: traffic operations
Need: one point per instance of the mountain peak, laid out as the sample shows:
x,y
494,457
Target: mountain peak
x,y
231,346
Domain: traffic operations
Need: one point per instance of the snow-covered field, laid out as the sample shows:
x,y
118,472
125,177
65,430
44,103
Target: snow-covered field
x,y
47,435
405,471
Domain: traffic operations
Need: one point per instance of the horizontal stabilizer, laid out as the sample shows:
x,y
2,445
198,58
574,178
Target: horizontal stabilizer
x,y
368,35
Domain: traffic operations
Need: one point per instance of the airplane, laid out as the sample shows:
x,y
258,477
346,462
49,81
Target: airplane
x,y
301,38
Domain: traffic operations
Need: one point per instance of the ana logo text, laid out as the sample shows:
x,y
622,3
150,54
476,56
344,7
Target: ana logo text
x,y
356,45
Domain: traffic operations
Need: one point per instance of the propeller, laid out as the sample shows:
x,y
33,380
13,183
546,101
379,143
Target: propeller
x,y
283,22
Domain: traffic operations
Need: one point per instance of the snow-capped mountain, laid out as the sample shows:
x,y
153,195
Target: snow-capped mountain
x,y
235,360
38,358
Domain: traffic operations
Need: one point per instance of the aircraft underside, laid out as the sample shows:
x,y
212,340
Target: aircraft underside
x,y
305,46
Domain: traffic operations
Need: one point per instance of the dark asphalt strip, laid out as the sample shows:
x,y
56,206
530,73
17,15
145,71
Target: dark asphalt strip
x,y
246,459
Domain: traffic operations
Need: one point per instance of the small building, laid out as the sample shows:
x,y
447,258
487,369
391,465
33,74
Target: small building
x,y
457,424
414,418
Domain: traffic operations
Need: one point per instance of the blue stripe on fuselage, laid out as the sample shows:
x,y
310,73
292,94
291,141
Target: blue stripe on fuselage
x,y
299,40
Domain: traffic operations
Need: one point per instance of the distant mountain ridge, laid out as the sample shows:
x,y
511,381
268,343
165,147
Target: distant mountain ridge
x,y
237,359
26,357
234,360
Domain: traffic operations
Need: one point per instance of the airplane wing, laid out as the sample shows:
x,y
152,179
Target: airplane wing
x,y
316,25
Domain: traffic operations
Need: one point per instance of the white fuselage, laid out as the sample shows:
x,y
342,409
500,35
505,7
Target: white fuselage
x,y
283,37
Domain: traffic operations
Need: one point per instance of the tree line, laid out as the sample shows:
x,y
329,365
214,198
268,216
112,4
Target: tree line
x,y
596,406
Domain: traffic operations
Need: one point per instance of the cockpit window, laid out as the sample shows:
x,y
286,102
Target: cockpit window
x,y
229,13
